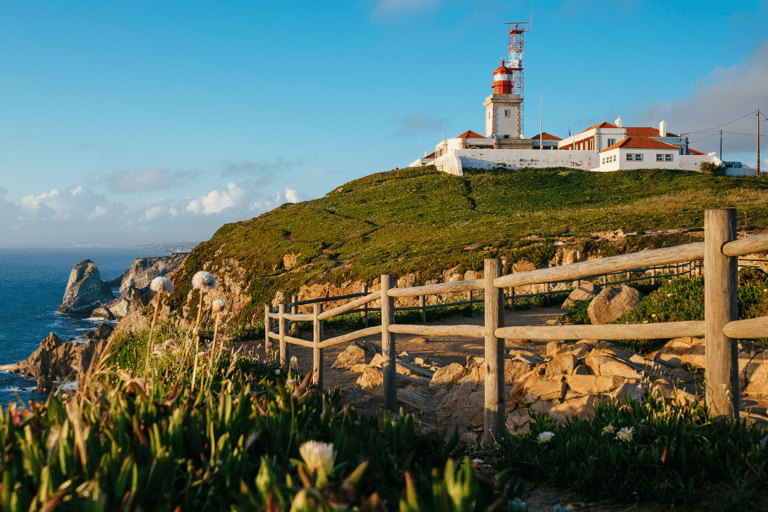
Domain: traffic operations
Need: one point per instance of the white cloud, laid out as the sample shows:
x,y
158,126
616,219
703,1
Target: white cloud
x,y
98,211
153,212
216,201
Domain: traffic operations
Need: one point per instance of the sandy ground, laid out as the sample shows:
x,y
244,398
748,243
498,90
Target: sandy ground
x,y
540,496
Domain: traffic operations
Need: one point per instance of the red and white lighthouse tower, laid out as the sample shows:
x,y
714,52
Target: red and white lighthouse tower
x,y
503,79
504,108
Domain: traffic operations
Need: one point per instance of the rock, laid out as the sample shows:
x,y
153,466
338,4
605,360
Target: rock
x,y
590,384
613,302
514,371
58,359
350,356
618,368
377,361
371,380
103,332
143,270
561,364
461,404
119,308
446,376
102,312
585,291
85,290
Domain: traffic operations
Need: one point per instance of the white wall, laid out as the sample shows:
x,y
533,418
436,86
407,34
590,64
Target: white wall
x,y
455,161
693,162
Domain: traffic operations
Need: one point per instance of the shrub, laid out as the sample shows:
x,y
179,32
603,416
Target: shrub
x,y
711,169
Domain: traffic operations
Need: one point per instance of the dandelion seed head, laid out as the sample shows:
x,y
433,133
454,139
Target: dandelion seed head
x,y
161,285
609,429
218,305
203,281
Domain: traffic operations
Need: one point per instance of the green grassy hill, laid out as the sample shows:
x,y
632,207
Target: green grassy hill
x,y
421,220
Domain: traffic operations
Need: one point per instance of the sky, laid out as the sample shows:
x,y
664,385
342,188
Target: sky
x,y
136,122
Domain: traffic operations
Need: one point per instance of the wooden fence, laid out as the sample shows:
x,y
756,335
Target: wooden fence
x,y
720,327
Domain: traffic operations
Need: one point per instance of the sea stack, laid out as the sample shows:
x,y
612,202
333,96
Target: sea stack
x,y
85,290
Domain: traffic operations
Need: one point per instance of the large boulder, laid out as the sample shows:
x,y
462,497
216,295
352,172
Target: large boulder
x,y
613,302
585,291
85,290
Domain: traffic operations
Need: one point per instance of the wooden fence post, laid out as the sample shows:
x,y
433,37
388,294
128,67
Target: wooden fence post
x,y
653,276
493,426
512,298
365,307
605,279
294,330
281,331
469,295
389,365
423,306
720,307
267,326
317,353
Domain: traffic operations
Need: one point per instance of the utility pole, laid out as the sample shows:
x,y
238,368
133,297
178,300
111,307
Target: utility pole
x,y
758,143
721,145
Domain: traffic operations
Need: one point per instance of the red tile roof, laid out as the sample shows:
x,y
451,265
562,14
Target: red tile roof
x,y
469,134
601,125
431,155
546,136
694,152
646,131
640,143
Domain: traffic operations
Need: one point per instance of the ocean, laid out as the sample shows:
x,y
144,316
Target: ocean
x,y
32,284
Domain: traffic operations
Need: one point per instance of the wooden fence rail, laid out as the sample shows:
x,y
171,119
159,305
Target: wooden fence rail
x,y
720,327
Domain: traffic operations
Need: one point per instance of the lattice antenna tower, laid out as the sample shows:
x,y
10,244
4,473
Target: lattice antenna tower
x,y
516,49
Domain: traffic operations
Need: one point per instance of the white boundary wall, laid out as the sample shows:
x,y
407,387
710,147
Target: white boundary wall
x,y
455,161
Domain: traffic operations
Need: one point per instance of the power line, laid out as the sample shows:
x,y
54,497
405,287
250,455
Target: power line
x,y
704,138
720,126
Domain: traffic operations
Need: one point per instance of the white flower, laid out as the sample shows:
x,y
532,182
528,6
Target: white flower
x,y
625,434
545,437
203,281
161,285
318,455
218,305
609,429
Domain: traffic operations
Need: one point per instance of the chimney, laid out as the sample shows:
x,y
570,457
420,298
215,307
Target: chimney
x,y
617,122
426,154
663,129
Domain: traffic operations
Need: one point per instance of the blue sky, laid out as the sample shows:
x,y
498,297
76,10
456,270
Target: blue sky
x,y
139,122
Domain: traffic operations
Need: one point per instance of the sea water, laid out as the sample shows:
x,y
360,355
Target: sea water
x,y
32,284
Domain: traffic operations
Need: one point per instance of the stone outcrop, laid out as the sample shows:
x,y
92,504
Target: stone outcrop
x,y
59,359
585,291
143,270
613,302
85,290
86,293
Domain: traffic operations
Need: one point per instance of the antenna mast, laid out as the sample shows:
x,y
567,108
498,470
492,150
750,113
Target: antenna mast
x,y
515,49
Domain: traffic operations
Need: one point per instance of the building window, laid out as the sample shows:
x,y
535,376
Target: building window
x,y
506,113
629,157
668,158
611,142
638,157
659,157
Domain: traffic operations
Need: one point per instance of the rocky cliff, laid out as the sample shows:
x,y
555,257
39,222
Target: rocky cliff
x,y
86,293
85,290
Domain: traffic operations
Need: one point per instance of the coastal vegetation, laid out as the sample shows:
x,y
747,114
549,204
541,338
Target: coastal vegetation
x,y
421,221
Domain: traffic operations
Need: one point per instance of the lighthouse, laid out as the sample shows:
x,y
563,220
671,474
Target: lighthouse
x,y
503,110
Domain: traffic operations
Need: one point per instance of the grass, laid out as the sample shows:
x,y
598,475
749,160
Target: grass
x,y
422,221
